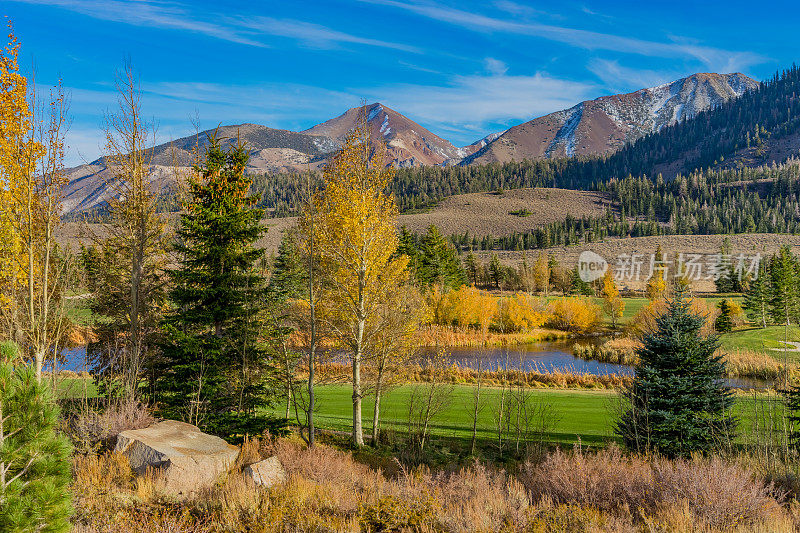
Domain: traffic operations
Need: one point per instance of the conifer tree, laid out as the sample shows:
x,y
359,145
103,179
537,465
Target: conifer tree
x,y
471,267
34,459
495,270
784,282
758,296
677,403
724,322
214,371
437,261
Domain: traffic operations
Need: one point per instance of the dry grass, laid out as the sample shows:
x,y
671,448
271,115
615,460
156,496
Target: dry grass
x,y
612,248
435,335
741,363
459,375
328,490
486,213
701,494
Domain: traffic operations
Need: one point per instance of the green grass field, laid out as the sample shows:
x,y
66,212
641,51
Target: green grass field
x,y
577,415
763,340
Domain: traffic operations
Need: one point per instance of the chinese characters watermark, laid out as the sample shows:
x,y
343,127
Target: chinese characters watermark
x,y
690,266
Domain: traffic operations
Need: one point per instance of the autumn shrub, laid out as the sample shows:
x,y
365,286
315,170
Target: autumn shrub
x,y
718,495
520,312
390,513
480,498
97,424
576,315
644,321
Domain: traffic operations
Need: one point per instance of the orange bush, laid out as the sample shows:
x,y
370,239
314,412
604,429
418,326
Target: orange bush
x,y
577,315
520,312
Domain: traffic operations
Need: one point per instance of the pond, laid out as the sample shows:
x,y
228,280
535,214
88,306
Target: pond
x,y
551,356
544,357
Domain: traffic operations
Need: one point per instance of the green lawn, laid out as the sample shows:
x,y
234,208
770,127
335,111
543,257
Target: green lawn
x,y
585,415
762,340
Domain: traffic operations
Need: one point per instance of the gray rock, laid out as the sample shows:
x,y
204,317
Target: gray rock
x,y
266,473
188,459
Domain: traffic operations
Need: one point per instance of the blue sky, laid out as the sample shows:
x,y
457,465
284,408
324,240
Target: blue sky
x,y
461,69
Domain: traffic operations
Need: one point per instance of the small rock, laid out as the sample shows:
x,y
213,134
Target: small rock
x,y
189,460
266,473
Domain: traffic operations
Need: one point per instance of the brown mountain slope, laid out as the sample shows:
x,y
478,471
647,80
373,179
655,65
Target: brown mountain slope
x,y
409,143
604,125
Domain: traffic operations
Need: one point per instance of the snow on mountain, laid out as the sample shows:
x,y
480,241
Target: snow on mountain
x,y
604,125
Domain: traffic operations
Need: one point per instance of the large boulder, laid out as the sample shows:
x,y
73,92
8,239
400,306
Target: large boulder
x,y
266,473
188,459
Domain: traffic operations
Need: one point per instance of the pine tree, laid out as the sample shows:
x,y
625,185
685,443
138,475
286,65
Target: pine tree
x,y
758,296
289,278
678,402
724,322
495,270
437,261
34,459
784,283
214,372
471,267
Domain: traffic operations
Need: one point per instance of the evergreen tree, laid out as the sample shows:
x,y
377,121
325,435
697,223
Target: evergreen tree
x,y
724,322
784,283
758,296
791,397
34,459
495,270
471,267
579,286
678,402
437,261
214,372
289,278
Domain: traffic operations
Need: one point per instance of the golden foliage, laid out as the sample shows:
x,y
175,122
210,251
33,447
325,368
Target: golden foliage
x,y
645,320
613,304
577,315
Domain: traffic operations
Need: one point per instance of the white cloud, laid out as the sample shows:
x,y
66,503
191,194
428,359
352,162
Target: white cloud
x,y
618,78
244,30
463,110
495,66
714,58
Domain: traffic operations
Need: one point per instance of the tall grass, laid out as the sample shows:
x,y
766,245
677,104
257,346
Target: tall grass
x,y
461,375
329,490
434,335
740,363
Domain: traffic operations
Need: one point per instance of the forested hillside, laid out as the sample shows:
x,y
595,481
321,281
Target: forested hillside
x,y
759,117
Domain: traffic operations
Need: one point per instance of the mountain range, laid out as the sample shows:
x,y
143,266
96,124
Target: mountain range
x,y
591,128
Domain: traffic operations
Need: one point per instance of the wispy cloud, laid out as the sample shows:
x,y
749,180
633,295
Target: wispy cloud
x,y
166,15
713,58
618,78
465,109
240,29
313,34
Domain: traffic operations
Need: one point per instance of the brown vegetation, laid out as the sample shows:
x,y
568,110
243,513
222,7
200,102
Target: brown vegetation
x,y
328,490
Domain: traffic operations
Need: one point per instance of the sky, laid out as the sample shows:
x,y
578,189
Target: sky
x,y
462,69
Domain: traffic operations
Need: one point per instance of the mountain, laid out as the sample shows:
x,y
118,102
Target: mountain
x,y
606,124
408,143
272,150
598,127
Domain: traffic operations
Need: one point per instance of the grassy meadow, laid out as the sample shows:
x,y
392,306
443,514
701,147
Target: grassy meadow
x,y
571,416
